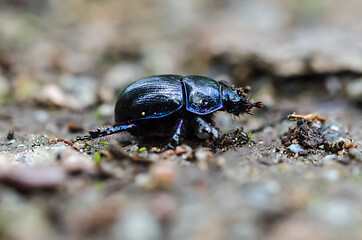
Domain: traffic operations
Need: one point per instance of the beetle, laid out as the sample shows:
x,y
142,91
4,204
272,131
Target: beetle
x,y
174,106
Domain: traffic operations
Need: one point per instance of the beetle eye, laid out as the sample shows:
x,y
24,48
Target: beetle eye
x,y
235,98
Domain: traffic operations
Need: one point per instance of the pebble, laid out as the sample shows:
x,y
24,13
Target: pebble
x,y
296,148
163,173
167,154
24,160
203,154
10,135
329,159
185,151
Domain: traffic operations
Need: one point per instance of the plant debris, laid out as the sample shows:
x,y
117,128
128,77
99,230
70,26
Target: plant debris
x,y
312,133
309,117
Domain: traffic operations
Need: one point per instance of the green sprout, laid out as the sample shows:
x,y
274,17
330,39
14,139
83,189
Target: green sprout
x,y
250,135
142,149
97,157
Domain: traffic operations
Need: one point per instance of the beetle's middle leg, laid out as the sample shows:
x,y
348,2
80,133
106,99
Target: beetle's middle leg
x,y
176,136
205,130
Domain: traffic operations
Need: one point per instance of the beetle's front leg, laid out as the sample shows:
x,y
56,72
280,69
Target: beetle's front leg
x,y
176,136
205,130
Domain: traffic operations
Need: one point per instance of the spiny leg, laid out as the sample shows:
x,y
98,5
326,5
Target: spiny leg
x,y
176,136
204,130
105,132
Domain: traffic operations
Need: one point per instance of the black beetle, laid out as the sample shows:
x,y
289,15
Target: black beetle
x,y
174,106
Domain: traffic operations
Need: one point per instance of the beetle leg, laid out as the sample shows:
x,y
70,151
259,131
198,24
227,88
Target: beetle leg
x,y
176,136
204,130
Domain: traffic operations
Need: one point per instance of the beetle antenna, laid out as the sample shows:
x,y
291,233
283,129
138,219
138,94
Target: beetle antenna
x,y
258,105
101,132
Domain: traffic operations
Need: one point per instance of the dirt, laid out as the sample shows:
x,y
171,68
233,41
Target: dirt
x,y
62,65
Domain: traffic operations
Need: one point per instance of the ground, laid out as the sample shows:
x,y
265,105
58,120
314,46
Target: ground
x,y
297,58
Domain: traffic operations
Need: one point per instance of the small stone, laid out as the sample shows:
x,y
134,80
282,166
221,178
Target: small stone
x,y
203,154
24,160
163,173
168,153
185,151
295,148
155,150
329,158
180,150
10,135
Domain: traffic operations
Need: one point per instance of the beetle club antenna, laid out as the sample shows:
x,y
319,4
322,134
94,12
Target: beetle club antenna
x,y
258,104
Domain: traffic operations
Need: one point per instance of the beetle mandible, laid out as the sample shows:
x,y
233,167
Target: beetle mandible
x,y
174,106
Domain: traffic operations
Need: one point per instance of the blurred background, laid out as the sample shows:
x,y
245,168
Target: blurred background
x,y
78,53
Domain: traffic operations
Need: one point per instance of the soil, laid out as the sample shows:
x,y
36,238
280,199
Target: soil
x,y
251,185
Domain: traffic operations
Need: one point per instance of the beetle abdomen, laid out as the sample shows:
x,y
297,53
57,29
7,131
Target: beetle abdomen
x,y
152,97
203,95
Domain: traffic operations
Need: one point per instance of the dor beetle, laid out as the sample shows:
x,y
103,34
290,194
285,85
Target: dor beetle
x,y
174,106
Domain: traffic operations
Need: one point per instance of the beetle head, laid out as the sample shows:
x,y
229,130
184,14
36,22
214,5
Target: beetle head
x,y
235,101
